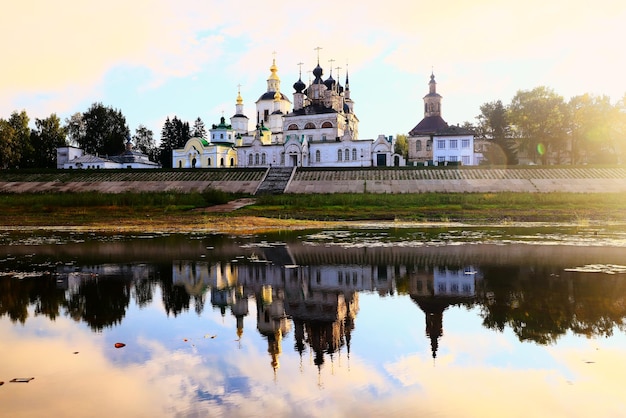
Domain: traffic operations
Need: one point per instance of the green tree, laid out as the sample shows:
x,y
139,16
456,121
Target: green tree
x,y
105,130
23,149
539,117
144,141
174,134
494,126
47,136
75,128
401,146
199,130
592,129
7,148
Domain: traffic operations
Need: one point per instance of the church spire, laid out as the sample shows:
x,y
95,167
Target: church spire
x,y
273,82
432,101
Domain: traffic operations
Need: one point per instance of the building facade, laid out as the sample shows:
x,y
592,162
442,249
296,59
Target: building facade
x,y
433,142
319,129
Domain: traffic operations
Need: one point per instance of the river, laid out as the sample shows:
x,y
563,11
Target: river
x,y
515,321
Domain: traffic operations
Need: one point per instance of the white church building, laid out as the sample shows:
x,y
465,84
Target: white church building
x,y
319,129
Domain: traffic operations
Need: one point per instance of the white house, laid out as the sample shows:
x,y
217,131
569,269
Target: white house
x,y
75,158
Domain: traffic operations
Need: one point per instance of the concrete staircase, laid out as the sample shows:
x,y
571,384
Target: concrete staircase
x,y
276,180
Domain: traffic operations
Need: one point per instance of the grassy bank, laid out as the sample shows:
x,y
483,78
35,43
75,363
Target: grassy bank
x,y
461,207
175,211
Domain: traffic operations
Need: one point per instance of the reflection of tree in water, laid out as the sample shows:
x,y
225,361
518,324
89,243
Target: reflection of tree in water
x,y
542,304
100,303
17,295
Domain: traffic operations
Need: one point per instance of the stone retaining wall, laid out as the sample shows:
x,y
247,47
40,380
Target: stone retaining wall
x,y
401,180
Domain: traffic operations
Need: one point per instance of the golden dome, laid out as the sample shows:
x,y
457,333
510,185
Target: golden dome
x,y
274,69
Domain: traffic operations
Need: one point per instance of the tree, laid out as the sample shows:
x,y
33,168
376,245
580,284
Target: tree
x,y
47,136
23,149
198,131
105,130
7,147
75,128
402,146
592,128
144,141
174,134
494,126
539,118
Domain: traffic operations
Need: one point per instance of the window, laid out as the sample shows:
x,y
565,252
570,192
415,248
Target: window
x,y
208,163
310,138
293,127
323,137
256,159
317,156
429,145
263,159
266,115
453,158
339,155
221,162
221,136
454,144
354,154
250,159
465,143
418,145
441,159
230,136
441,144
465,159
327,125
309,126
347,154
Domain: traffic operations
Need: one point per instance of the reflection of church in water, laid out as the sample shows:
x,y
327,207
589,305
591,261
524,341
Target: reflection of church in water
x,y
314,291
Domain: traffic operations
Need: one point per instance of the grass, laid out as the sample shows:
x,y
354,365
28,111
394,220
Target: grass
x,y
174,211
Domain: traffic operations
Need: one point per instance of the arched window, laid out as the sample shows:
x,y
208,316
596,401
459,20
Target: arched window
x,y
309,126
347,154
327,125
339,155
256,159
354,154
232,162
180,163
208,162
293,127
250,159
263,160
418,145
317,156
222,162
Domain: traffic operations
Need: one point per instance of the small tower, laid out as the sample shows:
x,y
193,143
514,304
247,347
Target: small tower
x,y
239,121
432,101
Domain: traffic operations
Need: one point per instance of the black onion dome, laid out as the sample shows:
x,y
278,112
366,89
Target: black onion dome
x,y
299,86
318,72
330,82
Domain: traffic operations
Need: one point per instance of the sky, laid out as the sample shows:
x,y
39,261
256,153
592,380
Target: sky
x,y
154,59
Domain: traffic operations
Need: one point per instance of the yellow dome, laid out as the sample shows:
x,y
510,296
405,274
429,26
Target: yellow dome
x,y
273,69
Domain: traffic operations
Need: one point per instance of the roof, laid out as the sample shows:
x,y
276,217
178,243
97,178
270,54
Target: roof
x,y
429,125
270,96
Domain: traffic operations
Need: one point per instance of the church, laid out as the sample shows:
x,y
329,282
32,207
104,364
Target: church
x,y
318,129
433,142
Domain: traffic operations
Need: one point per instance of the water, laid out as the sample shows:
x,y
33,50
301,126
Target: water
x,y
442,322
